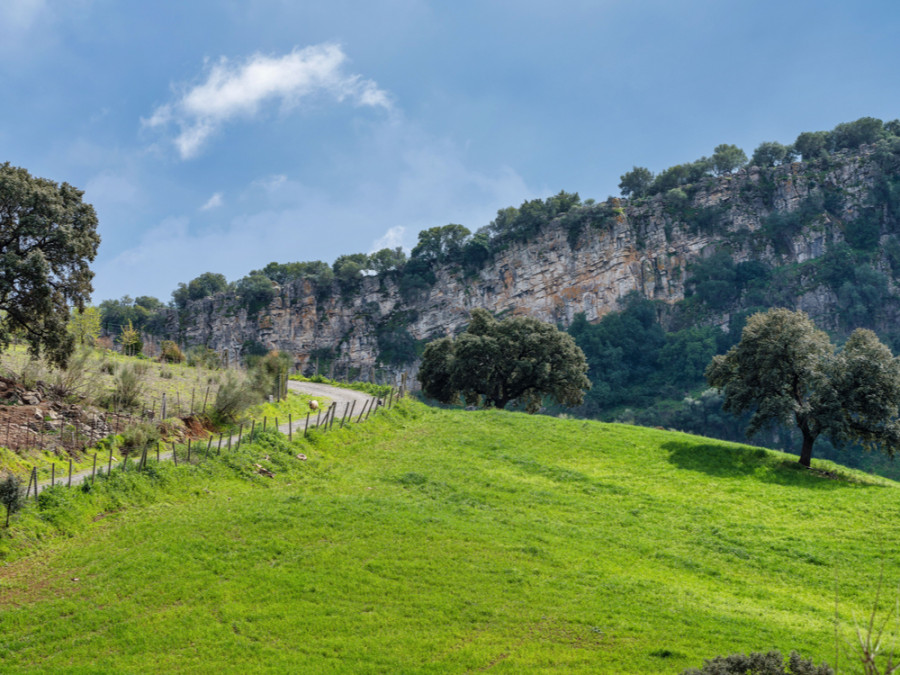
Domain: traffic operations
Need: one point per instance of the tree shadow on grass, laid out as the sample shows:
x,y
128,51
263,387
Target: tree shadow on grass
x,y
735,461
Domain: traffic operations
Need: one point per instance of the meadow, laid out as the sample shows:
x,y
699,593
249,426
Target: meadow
x,y
434,541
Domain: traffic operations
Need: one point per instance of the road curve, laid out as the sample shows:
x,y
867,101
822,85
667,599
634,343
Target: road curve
x,y
337,394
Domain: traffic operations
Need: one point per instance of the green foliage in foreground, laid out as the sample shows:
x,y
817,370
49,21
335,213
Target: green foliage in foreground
x,y
439,541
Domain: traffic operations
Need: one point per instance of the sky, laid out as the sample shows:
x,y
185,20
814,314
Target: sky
x,y
221,135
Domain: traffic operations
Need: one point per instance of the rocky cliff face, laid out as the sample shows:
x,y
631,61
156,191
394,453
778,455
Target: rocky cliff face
x,y
647,246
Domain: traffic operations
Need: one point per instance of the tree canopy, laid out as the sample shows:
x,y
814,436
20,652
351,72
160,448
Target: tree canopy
x,y
48,237
636,182
208,283
787,372
496,362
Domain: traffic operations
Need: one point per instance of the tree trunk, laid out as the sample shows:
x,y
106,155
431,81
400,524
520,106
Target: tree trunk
x,y
806,450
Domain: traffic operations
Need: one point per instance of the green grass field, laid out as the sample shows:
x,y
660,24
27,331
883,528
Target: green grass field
x,y
429,541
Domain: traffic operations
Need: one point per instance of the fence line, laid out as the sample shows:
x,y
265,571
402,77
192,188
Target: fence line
x,y
34,486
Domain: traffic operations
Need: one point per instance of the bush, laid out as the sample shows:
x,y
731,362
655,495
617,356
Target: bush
x,y
204,357
233,398
138,437
76,378
171,352
758,663
128,388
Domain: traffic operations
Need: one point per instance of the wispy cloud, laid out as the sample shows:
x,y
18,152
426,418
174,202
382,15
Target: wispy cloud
x,y
213,202
391,239
241,89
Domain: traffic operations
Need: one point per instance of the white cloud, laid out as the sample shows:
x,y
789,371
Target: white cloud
x,y
213,202
401,181
239,90
391,239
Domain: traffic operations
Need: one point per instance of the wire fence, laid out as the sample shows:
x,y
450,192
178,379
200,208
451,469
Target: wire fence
x,y
194,451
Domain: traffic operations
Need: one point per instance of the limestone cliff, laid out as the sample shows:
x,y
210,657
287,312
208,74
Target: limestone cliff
x,y
646,246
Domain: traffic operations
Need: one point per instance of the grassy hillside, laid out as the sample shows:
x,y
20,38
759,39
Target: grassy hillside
x,y
448,541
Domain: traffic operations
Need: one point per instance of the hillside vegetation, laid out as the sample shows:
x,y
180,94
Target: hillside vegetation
x,y
651,285
446,541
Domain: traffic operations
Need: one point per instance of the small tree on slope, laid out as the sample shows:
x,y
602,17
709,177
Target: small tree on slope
x,y
787,372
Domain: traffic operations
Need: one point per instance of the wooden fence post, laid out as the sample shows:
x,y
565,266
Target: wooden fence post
x,y
365,405
306,428
189,451
205,399
240,436
333,415
34,472
219,448
157,452
208,445
162,410
174,455
290,427
52,474
70,472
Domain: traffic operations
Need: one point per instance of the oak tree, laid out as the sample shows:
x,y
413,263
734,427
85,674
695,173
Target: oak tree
x,y
493,362
48,237
787,372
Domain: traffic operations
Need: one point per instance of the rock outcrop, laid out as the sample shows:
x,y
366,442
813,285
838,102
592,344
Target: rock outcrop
x,y
647,246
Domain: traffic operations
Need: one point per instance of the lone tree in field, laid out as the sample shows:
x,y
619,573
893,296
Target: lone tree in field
x,y
495,362
47,238
788,373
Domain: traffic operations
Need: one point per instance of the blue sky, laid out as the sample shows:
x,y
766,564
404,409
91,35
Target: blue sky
x,y
222,135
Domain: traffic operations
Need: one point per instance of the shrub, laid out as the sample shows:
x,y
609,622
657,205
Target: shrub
x,y
203,356
127,388
233,397
171,352
76,378
139,436
758,663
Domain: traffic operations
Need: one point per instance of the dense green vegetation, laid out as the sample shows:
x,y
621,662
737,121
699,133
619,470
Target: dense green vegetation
x,y
443,541
517,360
48,238
647,363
